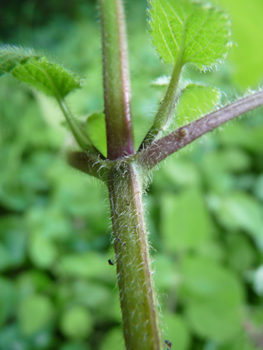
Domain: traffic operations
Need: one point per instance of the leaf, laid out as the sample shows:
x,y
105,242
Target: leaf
x,y
195,102
177,331
86,265
113,340
96,130
247,28
50,78
212,321
11,56
34,313
42,250
76,323
8,296
214,298
185,220
189,31
239,210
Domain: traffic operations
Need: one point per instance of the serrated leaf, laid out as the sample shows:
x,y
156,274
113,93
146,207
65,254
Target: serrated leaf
x,y
10,56
50,78
196,101
189,31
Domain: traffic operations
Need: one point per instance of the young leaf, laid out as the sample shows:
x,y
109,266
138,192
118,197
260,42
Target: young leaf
x,y
189,32
50,78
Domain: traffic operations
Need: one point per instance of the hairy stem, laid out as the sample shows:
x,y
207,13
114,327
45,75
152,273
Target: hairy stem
x,y
116,80
137,297
90,164
178,139
82,139
167,107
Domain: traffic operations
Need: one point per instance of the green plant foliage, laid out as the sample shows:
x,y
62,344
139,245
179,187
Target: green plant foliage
x,y
11,56
50,78
249,43
216,298
34,313
113,340
240,211
196,101
205,278
76,322
96,130
178,231
194,33
177,332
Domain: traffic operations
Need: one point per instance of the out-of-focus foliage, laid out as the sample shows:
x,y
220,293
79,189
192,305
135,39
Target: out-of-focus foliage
x,y
205,215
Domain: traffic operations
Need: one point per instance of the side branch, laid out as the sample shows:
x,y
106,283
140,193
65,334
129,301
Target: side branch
x,y
90,164
162,148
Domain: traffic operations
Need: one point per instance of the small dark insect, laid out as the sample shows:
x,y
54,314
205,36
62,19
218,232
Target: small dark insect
x,y
169,344
110,262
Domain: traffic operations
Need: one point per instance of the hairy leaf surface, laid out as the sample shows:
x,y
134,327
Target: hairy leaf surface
x,y
50,78
189,32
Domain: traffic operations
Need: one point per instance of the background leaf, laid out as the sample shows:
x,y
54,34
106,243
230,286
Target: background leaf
x,y
96,130
195,102
76,323
34,313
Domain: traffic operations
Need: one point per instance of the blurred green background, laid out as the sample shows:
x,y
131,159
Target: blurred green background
x,y
204,208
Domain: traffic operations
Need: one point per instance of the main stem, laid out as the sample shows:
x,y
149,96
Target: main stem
x,y
138,302
116,80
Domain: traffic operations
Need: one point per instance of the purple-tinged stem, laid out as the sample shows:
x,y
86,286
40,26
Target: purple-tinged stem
x,y
116,80
162,148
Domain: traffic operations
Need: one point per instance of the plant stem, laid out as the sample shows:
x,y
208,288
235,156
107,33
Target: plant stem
x,y
116,80
167,107
178,139
90,164
137,297
82,139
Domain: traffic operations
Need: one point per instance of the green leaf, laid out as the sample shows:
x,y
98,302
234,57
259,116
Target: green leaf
x,y
239,210
50,78
185,221
113,340
211,321
189,32
195,102
247,28
76,323
214,298
89,265
34,313
42,251
11,56
8,296
177,331
96,130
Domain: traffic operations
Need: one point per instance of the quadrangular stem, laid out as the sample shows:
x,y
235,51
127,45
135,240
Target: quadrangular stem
x,y
138,301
